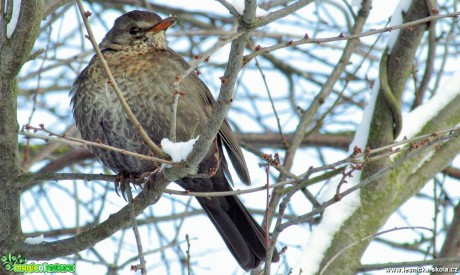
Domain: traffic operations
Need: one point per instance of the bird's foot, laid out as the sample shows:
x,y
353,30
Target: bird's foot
x,y
123,181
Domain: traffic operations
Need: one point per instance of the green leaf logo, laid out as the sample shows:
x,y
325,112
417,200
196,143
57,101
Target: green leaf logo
x,y
10,260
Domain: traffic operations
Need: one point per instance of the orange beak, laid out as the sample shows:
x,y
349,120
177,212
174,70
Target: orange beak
x,y
163,24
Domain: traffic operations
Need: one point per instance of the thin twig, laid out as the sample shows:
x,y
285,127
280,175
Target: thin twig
x,y
79,142
327,87
359,158
429,66
189,269
267,204
137,236
341,37
378,174
276,233
204,56
278,123
27,179
229,7
172,129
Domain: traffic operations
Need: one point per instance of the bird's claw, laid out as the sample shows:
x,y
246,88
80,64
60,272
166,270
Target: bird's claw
x,y
122,183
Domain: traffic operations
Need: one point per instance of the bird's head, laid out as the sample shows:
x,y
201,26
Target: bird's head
x,y
138,28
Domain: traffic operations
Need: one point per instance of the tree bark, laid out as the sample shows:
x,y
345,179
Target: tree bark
x,y
381,198
14,50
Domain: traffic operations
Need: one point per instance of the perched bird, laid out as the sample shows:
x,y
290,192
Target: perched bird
x,y
145,69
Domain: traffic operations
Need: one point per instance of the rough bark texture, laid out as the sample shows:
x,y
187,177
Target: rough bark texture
x,y
13,53
381,198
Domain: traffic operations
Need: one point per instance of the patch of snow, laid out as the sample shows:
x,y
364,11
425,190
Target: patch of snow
x,y
414,121
356,3
239,7
335,215
35,240
11,26
178,151
397,19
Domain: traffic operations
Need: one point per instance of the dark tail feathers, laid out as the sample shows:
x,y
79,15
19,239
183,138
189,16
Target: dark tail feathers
x,y
241,233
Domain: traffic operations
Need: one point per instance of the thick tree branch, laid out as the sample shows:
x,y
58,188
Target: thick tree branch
x,y
383,195
17,37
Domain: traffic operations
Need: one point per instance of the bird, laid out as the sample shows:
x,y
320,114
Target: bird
x,y
145,69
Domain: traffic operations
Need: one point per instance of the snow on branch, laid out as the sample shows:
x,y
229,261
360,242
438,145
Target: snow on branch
x,y
11,26
239,7
178,151
414,121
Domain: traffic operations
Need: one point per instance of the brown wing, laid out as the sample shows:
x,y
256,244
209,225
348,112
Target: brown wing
x,y
234,152
225,133
229,140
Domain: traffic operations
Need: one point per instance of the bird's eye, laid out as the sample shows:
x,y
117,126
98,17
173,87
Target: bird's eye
x,y
134,30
